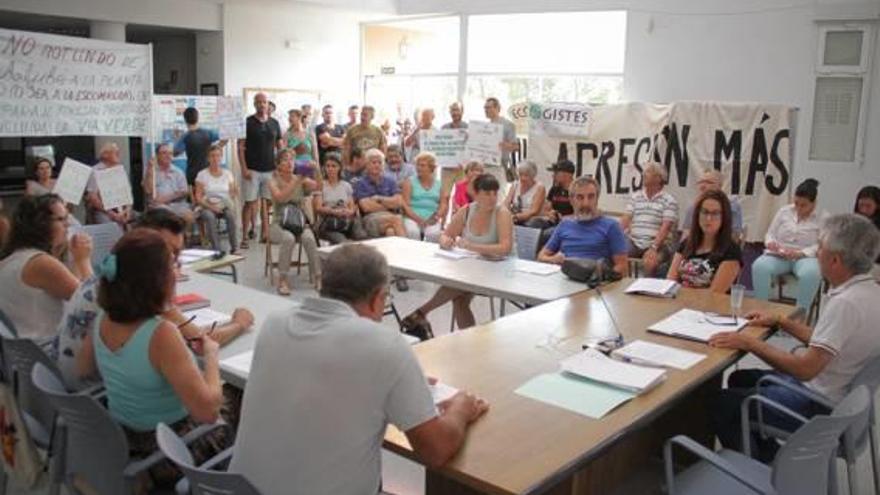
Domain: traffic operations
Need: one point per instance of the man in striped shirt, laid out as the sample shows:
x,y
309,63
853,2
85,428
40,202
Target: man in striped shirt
x,y
651,215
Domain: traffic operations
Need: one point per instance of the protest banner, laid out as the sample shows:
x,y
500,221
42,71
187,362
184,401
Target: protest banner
x,y
72,181
114,187
483,142
448,145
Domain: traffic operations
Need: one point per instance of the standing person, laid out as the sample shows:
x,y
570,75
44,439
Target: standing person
x,y
95,211
396,167
195,143
425,201
301,142
425,123
165,185
42,181
215,193
335,204
353,112
456,111
329,133
711,180
525,200
558,203
256,155
306,109
790,246
650,220
364,136
508,144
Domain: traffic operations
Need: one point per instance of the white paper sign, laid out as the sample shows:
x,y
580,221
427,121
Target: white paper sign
x,y
483,142
72,181
447,144
104,237
114,187
230,117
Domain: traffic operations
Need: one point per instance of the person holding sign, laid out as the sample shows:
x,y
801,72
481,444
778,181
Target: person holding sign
x,y
456,111
215,193
651,215
426,123
42,182
508,144
95,210
526,198
165,185
425,201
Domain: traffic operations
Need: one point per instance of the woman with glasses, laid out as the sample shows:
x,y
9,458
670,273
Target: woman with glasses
x,y
34,281
709,257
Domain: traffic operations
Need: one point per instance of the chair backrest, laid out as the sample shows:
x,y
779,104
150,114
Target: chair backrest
x,y
19,357
802,464
526,240
202,481
97,450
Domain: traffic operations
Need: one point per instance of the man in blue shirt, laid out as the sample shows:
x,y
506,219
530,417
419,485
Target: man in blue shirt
x,y
378,196
587,233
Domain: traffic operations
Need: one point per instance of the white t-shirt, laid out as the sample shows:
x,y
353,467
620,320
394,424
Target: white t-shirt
x,y
847,328
215,186
323,386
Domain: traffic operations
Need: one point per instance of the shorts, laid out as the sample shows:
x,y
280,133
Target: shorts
x,y
256,187
373,223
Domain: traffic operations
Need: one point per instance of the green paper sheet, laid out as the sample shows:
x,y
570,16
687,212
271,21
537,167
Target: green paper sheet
x,y
586,397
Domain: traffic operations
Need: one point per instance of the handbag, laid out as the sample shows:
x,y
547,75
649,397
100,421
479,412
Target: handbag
x,y
336,224
292,219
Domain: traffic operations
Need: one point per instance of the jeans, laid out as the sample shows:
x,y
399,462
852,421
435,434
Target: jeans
x,y
767,267
741,384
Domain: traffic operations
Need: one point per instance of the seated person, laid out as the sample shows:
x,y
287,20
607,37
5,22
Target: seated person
x,y
215,193
95,211
463,192
483,227
165,185
842,343
711,180
650,219
379,199
396,167
868,205
557,205
425,202
149,369
708,257
586,234
525,199
334,202
790,246
334,446
356,168
42,181
288,193
34,281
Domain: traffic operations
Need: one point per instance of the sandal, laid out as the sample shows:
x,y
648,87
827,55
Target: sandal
x,y
244,244
417,325
283,289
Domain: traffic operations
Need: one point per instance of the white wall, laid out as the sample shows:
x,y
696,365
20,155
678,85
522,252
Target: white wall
x,y
210,64
194,14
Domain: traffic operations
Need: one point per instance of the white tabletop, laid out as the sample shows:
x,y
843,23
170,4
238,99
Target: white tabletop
x,y
416,259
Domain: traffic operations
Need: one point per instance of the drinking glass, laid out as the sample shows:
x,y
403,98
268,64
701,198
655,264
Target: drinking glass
x,y
736,299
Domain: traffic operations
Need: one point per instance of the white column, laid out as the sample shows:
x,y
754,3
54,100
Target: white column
x,y
462,57
111,31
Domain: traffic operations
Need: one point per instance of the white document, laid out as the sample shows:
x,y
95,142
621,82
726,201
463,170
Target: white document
x,y
596,366
535,267
448,145
189,256
441,391
483,142
230,117
72,181
207,317
526,240
114,187
455,253
240,363
658,287
104,237
696,325
651,354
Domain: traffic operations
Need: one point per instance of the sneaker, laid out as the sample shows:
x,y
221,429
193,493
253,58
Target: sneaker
x,y
401,285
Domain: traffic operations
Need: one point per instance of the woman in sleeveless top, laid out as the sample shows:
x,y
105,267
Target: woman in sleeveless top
x,y
425,201
298,139
150,372
34,281
42,183
483,227
215,195
526,198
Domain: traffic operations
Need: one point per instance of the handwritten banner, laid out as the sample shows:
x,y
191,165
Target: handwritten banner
x,y
72,181
483,142
114,187
54,85
448,145
230,117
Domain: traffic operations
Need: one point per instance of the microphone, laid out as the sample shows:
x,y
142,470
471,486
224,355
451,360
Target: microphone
x,y
597,273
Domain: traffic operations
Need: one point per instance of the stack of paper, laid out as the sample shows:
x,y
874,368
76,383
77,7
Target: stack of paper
x,y
596,366
696,325
188,256
575,394
651,354
535,268
205,317
657,287
455,253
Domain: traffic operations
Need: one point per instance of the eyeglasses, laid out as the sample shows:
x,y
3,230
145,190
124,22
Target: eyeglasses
x,y
710,213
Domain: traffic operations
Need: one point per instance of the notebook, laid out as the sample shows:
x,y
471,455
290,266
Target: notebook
x,y
191,301
596,366
696,325
651,354
657,287
455,253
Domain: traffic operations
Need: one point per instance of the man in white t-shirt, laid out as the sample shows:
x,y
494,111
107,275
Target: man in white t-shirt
x,y
843,342
326,381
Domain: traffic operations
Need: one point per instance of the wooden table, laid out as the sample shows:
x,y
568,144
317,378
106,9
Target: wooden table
x,y
215,267
416,259
523,446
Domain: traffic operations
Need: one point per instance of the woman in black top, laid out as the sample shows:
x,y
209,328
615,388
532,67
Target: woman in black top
x,y
868,205
709,257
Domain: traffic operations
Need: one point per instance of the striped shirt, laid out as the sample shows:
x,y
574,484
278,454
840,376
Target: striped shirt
x,y
648,214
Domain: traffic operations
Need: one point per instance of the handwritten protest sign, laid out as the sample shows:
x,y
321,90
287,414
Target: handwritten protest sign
x,y
54,85
448,145
114,187
230,117
483,142
72,181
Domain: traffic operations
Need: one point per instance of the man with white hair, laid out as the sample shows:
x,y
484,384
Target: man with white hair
x,y
96,212
378,196
650,218
165,185
712,180
842,343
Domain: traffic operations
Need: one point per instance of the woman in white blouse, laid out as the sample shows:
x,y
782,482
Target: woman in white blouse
x,y
215,193
791,244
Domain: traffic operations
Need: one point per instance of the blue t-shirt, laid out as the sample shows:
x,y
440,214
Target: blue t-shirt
x,y
600,238
366,188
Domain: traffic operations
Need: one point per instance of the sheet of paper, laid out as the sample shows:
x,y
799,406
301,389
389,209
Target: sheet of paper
x,y
483,142
656,286
230,117
578,395
205,317
535,268
526,242
72,181
594,365
189,256
240,363
641,351
441,391
448,145
455,253
104,237
696,325
114,187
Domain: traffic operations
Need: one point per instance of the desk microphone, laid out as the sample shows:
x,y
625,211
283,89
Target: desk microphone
x,y
595,274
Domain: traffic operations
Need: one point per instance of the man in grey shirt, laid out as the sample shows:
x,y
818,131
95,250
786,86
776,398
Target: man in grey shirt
x,y
326,380
456,111
508,144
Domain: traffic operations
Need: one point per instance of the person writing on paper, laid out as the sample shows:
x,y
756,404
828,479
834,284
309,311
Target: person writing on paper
x,y
525,199
95,211
463,193
425,202
215,194
843,341
711,180
650,219
790,246
586,234
483,227
34,281
165,185
150,370
709,256
334,445
42,181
